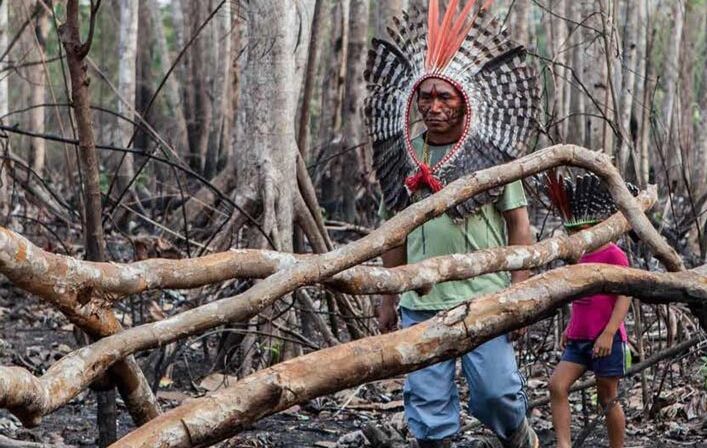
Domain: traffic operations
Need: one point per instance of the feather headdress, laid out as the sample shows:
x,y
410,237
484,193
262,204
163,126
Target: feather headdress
x,y
584,200
468,48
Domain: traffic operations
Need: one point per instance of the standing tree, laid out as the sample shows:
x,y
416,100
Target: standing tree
x,y
128,373
4,32
354,134
36,75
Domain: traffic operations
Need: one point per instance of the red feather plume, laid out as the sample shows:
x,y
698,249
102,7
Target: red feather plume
x,y
558,194
444,39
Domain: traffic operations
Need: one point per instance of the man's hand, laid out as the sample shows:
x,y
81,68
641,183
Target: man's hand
x,y
602,346
387,316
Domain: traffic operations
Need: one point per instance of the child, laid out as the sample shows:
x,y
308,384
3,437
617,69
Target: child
x,y
595,338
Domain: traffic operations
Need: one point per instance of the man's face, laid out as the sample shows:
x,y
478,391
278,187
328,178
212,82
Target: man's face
x,y
441,106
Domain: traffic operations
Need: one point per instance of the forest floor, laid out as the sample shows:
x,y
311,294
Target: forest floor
x,y
34,336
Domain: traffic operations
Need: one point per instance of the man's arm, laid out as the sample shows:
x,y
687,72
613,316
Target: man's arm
x,y
518,227
387,314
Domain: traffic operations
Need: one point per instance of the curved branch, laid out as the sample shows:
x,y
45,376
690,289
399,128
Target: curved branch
x,y
206,420
55,277
73,372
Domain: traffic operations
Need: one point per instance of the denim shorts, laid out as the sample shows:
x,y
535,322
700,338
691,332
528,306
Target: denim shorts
x,y
579,351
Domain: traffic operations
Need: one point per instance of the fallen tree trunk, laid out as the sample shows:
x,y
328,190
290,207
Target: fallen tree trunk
x,y
206,420
58,277
71,374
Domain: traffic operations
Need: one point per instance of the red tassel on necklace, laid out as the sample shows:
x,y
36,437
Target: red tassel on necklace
x,y
423,176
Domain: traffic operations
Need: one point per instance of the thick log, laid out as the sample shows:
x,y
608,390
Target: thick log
x,y
215,417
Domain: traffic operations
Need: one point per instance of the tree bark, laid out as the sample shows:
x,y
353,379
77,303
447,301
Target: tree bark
x,y
630,51
451,333
701,141
577,119
38,81
610,37
220,139
315,43
198,103
127,78
4,101
671,69
647,84
595,73
671,66
519,15
690,74
4,31
331,122
175,105
557,34
353,165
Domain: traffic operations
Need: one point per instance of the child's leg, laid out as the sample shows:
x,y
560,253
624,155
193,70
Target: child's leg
x,y
565,374
607,389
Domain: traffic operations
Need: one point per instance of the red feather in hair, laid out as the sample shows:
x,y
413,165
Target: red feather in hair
x,y
558,194
444,39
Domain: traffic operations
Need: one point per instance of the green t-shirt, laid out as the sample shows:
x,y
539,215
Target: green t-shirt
x,y
442,236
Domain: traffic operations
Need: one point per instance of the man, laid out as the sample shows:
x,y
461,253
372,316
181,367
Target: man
x,y
459,139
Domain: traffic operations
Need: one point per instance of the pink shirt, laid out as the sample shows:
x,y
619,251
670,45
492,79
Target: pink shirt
x,y
591,314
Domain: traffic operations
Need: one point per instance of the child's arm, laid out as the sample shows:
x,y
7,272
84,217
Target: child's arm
x,y
602,346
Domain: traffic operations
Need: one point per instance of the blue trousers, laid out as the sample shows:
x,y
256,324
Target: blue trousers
x,y
496,391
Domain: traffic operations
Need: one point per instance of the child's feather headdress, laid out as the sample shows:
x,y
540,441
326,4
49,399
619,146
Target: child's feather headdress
x,y
584,200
